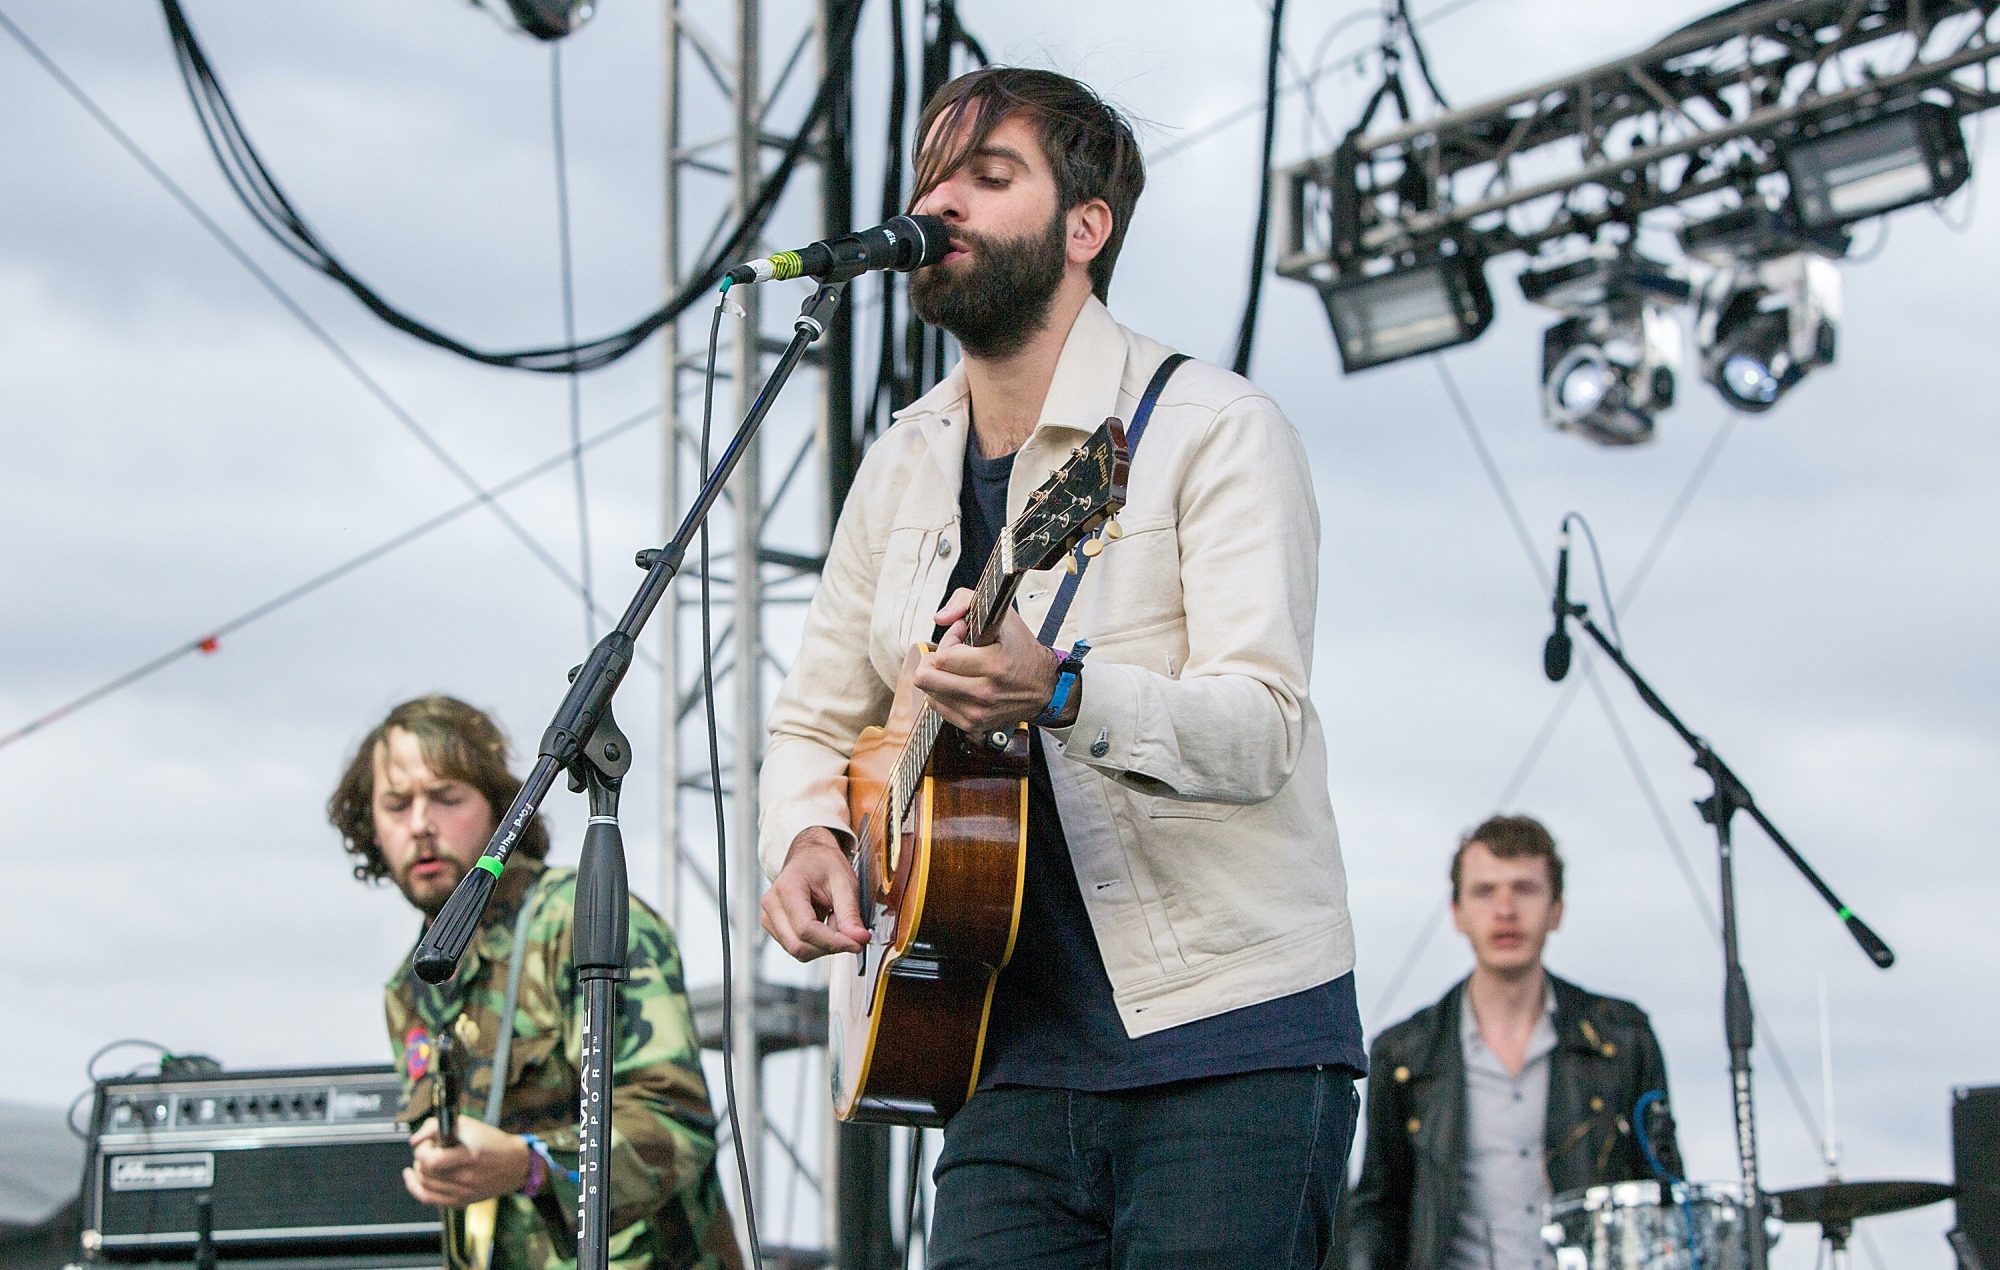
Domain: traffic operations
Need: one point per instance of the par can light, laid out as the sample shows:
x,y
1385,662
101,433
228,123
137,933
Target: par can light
x,y
1419,308
1909,156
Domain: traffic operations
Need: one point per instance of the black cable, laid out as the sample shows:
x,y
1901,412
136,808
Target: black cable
x,y
368,382
1597,562
69,1117
90,1064
1417,48
268,205
1246,332
895,156
569,337
721,827
207,642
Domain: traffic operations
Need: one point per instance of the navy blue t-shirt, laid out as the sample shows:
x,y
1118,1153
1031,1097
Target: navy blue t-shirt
x,y
1054,1022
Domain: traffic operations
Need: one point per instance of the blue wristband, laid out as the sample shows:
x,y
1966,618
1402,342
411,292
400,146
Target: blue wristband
x,y
541,1150
1067,676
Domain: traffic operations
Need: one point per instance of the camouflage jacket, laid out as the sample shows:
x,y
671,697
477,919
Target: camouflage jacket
x,y
667,1210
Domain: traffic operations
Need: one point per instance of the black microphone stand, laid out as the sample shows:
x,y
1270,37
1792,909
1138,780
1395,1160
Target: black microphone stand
x,y
584,740
1738,1023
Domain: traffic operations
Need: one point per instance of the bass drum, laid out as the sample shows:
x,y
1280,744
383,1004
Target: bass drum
x,y
1701,1226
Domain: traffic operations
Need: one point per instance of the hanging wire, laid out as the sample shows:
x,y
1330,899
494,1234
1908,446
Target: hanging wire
x,y
569,337
1675,511
211,640
729,1019
1246,331
368,382
1230,119
1417,48
1800,1103
244,169
1543,735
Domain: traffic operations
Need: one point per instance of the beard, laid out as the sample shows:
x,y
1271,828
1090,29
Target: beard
x,y
999,299
429,895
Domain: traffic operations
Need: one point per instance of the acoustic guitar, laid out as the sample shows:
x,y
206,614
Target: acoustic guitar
x,y
941,824
468,1232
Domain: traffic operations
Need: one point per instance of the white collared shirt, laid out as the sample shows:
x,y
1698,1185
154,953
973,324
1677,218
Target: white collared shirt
x,y
1503,1178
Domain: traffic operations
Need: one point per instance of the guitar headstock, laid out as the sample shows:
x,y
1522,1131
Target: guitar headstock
x,y
1087,490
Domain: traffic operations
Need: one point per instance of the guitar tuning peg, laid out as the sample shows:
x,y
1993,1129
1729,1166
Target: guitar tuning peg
x,y
1069,565
1091,546
1113,530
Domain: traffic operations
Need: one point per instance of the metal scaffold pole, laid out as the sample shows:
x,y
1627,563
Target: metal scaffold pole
x,y
722,131
670,484
746,574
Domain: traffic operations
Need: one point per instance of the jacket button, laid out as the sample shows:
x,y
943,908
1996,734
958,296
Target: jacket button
x,y
1415,1124
1596,1104
1402,1075
944,546
1610,1050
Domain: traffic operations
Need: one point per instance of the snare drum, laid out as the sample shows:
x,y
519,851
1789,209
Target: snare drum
x,y
1626,1227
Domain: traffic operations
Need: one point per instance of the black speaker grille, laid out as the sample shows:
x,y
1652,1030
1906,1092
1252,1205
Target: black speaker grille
x,y
302,1187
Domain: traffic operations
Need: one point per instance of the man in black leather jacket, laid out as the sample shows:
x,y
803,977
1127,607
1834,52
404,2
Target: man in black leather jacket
x,y
1449,1179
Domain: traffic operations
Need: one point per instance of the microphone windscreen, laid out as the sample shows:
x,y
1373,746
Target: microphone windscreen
x,y
1555,656
932,239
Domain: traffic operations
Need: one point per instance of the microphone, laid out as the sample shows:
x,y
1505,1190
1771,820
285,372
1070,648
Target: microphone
x,y
1555,653
902,243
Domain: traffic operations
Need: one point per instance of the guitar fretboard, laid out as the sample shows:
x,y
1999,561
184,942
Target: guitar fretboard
x,y
990,598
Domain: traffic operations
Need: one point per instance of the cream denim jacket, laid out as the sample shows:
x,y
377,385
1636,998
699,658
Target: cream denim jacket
x,y
1192,785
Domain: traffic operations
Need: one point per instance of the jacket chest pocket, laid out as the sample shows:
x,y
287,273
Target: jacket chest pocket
x,y
916,563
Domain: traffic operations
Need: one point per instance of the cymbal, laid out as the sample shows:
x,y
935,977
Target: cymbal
x,y
1851,1201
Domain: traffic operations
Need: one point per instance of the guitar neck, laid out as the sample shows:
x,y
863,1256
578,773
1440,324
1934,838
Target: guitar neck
x,y
991,598
994,592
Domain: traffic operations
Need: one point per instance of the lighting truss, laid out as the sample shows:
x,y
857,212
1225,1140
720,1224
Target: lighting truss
x,y
1715,107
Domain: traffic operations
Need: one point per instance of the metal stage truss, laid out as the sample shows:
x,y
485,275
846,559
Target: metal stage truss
x,y
737,71
1708,109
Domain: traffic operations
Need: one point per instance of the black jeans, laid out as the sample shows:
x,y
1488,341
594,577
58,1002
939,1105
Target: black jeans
x,y
1234,1171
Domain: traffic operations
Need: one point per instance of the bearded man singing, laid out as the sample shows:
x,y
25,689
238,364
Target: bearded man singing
x,y
1167,1078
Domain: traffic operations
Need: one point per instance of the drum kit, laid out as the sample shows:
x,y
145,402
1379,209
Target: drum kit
x,y
1703,1226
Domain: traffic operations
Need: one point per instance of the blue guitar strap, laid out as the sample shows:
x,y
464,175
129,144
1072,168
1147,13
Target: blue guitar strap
x,y
1059,609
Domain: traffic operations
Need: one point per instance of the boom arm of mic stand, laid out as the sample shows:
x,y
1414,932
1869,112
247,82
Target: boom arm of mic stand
x,y
592,688
1733,795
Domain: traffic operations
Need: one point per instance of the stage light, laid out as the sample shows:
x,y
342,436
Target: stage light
x,y
543,19
1418,308
1763,325
1910,156
1609,367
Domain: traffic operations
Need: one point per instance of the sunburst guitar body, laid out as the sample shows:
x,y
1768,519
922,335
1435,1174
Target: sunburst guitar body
x,y
941,823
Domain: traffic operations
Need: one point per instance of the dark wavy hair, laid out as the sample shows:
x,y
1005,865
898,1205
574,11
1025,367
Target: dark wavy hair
x,y
1511,838
1088,143
458,743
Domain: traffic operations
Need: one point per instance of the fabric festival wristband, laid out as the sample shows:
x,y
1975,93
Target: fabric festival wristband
x,y
538,1172
1066,678
541,1165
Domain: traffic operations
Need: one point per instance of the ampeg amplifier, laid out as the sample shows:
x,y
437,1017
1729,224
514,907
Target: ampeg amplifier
x,y
292,1162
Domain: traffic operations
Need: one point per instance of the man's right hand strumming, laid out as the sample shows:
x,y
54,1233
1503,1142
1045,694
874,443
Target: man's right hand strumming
x,y
814,906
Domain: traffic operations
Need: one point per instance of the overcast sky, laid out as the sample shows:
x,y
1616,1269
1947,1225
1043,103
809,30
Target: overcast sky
x,y
181,449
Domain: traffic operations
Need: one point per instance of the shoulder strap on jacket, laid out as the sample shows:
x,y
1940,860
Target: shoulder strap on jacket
x,y
1059,608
